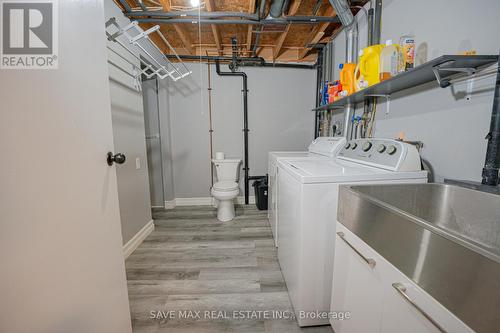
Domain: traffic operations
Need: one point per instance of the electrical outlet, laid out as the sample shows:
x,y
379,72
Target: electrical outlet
x,y
137,163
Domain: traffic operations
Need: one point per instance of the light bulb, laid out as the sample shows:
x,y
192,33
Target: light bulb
x,y
195,3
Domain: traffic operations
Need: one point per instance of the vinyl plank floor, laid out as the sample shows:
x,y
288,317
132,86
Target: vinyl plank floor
x,y
196,274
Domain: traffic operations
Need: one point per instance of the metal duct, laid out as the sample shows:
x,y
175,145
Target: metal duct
x,y
276,8
343,12
351,29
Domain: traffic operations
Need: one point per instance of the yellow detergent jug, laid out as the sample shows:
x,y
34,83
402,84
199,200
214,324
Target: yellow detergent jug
x,y
369,62
359,80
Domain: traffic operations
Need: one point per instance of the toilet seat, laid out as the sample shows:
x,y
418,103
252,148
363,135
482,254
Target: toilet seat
x,y
225,185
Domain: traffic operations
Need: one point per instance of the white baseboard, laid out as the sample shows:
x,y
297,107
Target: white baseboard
x,y
203,201
170,204
241,200
138,238
200,201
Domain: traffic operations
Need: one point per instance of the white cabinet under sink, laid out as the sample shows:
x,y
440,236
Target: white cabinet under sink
x,y
379,297
357,286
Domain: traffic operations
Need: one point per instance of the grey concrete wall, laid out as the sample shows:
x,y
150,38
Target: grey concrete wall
x,y
129,138
159,147
451,127
279,103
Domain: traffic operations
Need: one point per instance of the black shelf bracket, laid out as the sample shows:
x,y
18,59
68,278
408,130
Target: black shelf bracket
x,y
443,83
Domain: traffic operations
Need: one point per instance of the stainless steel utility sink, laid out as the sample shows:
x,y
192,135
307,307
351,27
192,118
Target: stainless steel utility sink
x,y
444,237
471,216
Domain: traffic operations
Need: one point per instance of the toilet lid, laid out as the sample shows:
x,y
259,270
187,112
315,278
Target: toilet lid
x,y
225,185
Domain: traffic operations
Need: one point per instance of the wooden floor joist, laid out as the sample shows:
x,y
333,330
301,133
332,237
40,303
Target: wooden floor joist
x,y
316,34
182,35
215,29
279,44
251,9
291,41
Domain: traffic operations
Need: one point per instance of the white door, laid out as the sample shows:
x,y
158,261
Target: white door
x,y
61,260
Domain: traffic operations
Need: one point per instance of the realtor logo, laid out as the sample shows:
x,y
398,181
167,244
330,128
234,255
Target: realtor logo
x,y
29,34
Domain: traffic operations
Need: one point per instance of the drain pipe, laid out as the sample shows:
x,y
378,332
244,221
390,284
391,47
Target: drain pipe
x,y
319,77
245,121
351,30
492,162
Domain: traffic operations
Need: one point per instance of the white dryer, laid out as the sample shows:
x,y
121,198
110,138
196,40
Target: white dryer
x,y
307,213
322,147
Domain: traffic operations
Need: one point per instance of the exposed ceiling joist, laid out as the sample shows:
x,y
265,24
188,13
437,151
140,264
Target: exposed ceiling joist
x,y
279,44
185,40
316,34
290,38
251,9
215,29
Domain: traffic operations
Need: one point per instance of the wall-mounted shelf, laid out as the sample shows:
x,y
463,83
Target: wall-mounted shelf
x,y
439,69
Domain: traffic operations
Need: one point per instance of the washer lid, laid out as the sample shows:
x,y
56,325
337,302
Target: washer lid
x,y
328,171
225,185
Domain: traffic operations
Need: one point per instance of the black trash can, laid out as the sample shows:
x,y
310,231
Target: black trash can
x,y
260,187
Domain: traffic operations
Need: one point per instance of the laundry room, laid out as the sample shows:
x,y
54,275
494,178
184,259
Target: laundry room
x,y
250,166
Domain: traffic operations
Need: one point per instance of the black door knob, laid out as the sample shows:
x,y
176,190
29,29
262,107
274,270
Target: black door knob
x,y
116,158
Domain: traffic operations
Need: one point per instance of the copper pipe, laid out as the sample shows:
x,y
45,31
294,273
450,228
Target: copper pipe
x,y
210,127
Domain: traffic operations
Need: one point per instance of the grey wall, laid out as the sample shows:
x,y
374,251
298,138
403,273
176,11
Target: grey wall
x,y
279,103
158,142
451,127
129,138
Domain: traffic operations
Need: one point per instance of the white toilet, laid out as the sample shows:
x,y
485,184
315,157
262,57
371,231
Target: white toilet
x,y
226,189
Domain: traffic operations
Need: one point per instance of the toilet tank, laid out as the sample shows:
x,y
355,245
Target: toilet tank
x,y
227,169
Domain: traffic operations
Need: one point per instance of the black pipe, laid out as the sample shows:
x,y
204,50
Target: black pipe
x,y
319,74
377,20
370,25
257,60
126,6
271,64
278,21
245,121
492,161
243,61
193,14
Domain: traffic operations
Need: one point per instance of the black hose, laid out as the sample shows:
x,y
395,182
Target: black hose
x,y
319,74
492,161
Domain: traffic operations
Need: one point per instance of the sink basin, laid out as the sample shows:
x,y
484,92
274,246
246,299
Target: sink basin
x,y
444,237
465,214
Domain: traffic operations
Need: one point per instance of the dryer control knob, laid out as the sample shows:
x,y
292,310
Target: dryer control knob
x,y
354,145
381,148
347,146
367,146
391,149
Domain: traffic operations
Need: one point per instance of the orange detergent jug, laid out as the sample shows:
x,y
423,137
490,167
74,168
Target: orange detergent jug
x,y
347,77
369,62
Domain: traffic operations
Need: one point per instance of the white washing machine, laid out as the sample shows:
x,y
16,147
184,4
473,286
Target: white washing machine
x,y
307,213
322,147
